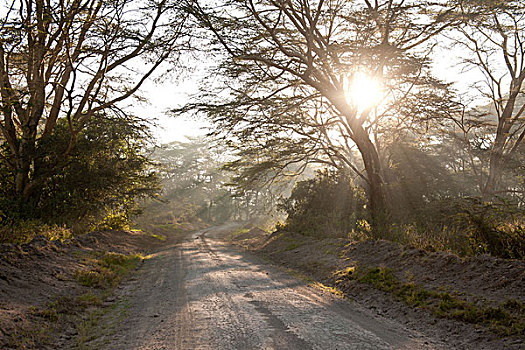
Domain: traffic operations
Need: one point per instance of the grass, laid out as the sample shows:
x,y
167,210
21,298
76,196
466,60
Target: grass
x,y
29,337
106,269
292,246
89,299
329,289
86,327
159,237
239,232
506,319
103,272
169,227
24,232
44,322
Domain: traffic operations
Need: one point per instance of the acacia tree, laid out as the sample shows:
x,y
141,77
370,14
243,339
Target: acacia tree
x,y
286,68
493,35
197,185
73,60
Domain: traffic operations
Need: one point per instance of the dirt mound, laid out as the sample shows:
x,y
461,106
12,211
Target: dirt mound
x,y
254,233
484,276
36,274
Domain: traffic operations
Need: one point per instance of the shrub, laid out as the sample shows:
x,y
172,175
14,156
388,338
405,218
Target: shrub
x,y
328,204
470,226
104,173
24,231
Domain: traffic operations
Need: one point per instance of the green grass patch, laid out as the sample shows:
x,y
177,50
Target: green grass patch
x,y
332,290
159,237
45,321
169,227
107,269
239,232
506,319
89,299
86,327
292,246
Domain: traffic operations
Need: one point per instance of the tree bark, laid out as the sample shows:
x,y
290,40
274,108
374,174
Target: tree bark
x,y
376,192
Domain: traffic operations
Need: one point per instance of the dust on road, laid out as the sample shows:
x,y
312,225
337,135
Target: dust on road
x,y
202,293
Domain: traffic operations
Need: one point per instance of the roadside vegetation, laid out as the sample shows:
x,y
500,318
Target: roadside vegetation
x,y
75,317
329,205
506,319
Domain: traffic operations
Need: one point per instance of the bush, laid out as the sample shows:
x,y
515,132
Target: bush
x,y
328,204
104,173
24,231
465,226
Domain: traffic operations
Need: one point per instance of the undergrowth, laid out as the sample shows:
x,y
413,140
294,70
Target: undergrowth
x,y
24,231
106,269
506,319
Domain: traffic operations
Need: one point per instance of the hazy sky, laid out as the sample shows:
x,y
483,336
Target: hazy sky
x,y
162,98
172,94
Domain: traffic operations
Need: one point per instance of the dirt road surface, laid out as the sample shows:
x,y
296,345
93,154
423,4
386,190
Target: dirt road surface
x,y
202,293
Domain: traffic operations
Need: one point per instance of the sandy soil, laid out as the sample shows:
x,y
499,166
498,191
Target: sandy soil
x,y
35,274
203,293
482,278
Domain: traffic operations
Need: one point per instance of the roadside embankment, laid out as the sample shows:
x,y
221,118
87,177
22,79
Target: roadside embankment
x,y
52,292
474,302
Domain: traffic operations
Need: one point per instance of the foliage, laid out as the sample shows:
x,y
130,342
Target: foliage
x,y
493,128
506,319
68,151
325,205
431,212
194,188
104,175
24,232
465,226
286,79
198,186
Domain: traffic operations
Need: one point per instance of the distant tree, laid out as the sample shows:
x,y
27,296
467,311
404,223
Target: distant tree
x,y
198,184
286,66
66,63
493,36
191,176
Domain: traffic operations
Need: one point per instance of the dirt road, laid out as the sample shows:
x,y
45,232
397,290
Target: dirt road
x,y
201,293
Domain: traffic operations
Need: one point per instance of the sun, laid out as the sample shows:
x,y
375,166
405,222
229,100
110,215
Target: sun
x,y
364,91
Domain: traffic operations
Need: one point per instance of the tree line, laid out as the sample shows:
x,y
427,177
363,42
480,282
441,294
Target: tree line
x,y
276,94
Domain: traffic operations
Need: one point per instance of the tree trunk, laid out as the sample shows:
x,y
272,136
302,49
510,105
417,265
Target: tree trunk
x,y
23,165
495,172
497,153
379,209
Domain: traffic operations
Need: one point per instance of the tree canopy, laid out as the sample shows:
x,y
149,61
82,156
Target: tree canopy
x,y
287,65
73,60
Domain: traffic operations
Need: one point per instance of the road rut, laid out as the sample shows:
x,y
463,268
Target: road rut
x,y
202,293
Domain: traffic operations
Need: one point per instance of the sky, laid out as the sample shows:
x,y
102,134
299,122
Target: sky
x,y
170,94
163,97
